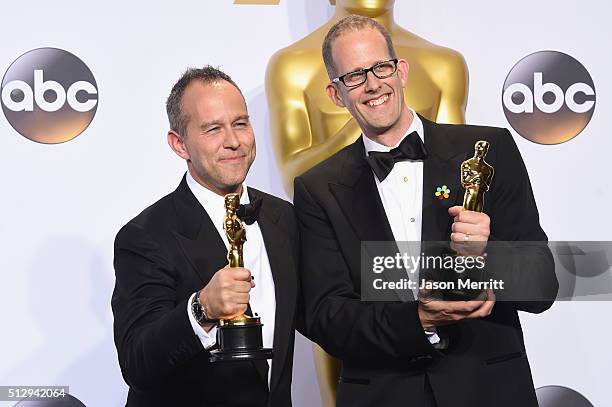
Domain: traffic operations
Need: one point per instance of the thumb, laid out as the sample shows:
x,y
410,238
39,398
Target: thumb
x,y
455,210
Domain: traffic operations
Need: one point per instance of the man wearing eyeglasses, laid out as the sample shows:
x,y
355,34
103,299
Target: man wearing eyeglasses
x,y
409,352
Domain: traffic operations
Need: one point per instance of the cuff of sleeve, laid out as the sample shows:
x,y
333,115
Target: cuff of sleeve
x,y
433,337
208,339
410,333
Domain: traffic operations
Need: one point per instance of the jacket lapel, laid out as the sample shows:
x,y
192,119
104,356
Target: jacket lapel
x,y
281,265
442,167
197,236
358,197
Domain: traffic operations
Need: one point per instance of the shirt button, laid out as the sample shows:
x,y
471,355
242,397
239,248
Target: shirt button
x,y
405,179
412,219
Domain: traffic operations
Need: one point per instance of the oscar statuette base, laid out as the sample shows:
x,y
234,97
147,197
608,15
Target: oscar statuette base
x,y
240,340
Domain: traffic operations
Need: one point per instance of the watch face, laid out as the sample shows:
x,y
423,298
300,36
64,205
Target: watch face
x,y
197,311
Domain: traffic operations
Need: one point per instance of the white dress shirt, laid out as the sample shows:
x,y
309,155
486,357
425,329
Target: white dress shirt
x,y
263,298
401,194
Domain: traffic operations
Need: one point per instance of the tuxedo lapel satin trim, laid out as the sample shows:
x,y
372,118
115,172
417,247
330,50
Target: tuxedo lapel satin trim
x,y
358,197
197,235
279,255
441,168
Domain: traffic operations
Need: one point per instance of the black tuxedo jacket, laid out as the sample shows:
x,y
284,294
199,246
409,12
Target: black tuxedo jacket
x,y
164,255
386,355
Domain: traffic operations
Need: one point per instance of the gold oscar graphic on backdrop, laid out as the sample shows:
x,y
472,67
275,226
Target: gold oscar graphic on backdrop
x,y
239,338
307,127
476,177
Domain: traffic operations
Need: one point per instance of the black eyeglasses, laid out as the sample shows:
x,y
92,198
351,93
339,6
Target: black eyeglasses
x,y
381,70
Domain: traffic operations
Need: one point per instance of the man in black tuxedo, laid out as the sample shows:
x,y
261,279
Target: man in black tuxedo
x,y
381,188
172,276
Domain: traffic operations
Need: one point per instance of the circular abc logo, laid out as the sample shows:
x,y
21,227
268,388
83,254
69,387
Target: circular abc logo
x,y
49,95
548,97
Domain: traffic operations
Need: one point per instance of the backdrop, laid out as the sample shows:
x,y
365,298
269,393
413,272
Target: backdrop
x,y
61,205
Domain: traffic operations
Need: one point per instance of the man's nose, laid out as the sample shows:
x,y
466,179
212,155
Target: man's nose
x,y
372,82
231,138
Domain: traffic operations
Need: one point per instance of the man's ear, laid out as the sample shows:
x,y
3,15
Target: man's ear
x,y
334,94
402,71
176,143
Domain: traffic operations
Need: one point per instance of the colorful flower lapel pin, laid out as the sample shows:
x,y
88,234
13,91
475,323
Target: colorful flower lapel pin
x,y
442,192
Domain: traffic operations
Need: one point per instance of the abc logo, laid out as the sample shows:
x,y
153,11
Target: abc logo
x,y
548,97
49,95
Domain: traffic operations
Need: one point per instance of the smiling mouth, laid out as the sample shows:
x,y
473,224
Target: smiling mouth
x,y
378,101
232,159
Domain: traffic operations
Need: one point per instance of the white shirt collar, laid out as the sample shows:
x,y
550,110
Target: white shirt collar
x,y
416,125
213,203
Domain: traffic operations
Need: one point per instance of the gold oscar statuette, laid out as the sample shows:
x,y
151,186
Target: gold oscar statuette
x,y
239,338
476,177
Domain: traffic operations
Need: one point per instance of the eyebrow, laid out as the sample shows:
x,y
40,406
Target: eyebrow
x,y
206,125
212,123
362,68
241,117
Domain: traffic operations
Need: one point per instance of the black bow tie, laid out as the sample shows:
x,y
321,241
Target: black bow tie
x,y
248,213
411,148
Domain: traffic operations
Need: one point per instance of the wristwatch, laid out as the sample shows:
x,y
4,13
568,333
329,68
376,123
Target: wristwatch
x,y
199,313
